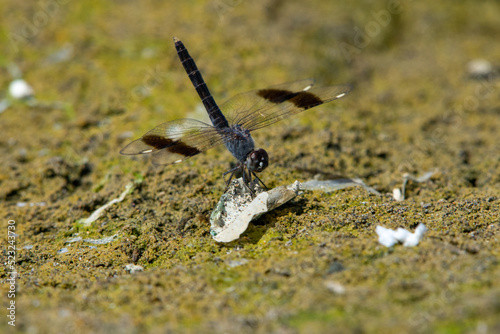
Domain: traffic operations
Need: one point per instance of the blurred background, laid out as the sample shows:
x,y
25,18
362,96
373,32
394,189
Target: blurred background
x,y
81,79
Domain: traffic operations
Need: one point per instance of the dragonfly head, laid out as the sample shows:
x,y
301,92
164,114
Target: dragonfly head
x,y
257,160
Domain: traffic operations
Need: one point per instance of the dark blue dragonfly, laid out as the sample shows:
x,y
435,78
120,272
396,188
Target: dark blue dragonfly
x,y
175,141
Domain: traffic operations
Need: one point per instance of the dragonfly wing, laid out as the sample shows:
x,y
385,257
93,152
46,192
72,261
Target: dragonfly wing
x,y
175,141
238,108
286,103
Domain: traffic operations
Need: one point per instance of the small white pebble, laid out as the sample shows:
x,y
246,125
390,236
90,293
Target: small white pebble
x,y
133,268
19,89
396,193
389,238
414,239
335,287
401,234
237,263
479,67
411,241
385,236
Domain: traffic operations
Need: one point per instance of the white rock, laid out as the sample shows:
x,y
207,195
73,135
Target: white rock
x,y
385,236
389,238
237,263
479,67
397,194
133,268
333,185
335,287
413,239
401,234
19,89
236,208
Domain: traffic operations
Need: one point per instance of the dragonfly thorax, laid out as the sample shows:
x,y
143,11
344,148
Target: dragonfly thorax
x,y
241,144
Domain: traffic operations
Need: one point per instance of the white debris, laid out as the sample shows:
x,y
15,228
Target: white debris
x,y
236,208
399,195
479,68
97,213
335,287
62,250
385,236
237,220
20,89
103,241
337,184
133,268
414,238
389,238
237,263
23,204
422,178
76,239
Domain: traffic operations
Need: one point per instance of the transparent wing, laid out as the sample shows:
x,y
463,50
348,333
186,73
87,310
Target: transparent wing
x,y
260,108
240,106
175,141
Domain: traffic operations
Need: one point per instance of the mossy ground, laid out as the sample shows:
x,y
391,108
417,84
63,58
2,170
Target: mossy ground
x,y
414,108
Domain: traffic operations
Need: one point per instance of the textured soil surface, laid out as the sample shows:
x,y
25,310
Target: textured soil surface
x,y
426,98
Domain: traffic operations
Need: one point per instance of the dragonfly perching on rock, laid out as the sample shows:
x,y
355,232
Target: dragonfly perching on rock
x,y
232,122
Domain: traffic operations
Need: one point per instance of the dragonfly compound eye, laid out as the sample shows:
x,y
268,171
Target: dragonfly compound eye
x,y
257,160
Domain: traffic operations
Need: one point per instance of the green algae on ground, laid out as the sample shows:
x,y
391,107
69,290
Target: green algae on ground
x,y
413,109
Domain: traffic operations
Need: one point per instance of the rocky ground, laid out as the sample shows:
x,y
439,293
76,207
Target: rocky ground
x,y
425,98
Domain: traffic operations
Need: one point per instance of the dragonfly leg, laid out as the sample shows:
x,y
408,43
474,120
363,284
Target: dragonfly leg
x,y
265,187
246,176
232,171
247,179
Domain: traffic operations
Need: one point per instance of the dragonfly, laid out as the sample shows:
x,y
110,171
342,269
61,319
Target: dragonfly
x,y
232,123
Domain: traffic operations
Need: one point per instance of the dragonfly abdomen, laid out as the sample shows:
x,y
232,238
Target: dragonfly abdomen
x,y
216,116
